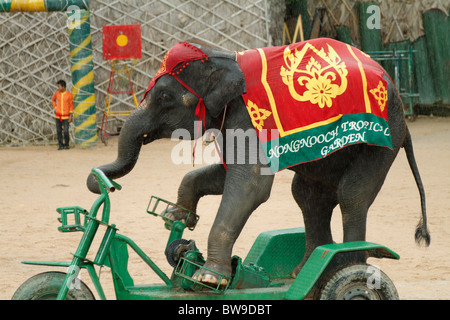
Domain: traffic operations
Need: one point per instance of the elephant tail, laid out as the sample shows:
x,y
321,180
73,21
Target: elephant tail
x,y
422,234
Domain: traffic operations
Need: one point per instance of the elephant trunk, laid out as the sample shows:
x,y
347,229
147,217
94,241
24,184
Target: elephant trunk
x,y
132,136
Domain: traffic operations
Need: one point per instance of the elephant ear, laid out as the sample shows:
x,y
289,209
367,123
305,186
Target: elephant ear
x,y
226,82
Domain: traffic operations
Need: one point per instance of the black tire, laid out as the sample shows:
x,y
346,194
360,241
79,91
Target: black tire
x,y
355,282
172,254
45,286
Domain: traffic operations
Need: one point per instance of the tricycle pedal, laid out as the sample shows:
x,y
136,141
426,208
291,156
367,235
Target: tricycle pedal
x,y
65,217
154,208
188,267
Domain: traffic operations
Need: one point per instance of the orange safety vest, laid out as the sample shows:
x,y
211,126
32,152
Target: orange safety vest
x,y
62,102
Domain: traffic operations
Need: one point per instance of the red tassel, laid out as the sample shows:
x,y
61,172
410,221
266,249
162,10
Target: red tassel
x,y
200,113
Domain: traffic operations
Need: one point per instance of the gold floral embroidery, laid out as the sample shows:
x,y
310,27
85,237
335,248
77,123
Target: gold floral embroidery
x,y
162,68
257,115
321,82
380,95
320,91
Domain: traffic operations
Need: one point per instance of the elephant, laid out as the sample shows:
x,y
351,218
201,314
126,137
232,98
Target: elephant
x,y
199,82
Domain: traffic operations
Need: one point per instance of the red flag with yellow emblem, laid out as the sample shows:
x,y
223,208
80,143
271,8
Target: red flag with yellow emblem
x,y
122,42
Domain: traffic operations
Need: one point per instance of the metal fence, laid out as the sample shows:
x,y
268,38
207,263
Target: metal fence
x,y
34,52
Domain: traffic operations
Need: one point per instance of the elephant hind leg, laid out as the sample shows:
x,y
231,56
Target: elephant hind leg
x,y
358,188
317,201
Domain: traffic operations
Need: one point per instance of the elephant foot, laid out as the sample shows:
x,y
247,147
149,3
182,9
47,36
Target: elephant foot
x,y
177,214
211,278
297,269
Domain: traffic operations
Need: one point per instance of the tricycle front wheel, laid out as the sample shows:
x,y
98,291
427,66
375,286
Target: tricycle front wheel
x,y
359,282
45,286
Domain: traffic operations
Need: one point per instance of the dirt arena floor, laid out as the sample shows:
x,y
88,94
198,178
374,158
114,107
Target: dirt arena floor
x,y
38,179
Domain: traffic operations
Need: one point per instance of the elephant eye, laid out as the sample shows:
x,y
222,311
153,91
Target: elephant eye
x,y
164,97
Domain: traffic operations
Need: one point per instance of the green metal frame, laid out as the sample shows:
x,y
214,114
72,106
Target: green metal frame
x,y
397,57
264,274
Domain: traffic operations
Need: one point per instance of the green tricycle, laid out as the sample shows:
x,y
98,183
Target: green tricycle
x,y
264,274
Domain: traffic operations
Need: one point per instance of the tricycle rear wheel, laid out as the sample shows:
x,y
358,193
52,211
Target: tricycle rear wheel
x,y
46,285
357,282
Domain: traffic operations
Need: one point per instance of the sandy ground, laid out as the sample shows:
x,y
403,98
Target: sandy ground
x,y
37,180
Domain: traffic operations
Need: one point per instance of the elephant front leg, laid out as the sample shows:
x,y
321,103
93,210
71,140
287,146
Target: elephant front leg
x,y
244,190
196,184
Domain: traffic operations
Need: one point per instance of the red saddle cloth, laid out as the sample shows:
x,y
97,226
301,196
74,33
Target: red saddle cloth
x,y
309,99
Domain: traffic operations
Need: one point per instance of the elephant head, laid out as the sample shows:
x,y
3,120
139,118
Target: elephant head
x,y
193,83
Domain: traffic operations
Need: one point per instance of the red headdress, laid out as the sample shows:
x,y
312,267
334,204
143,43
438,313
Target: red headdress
x,y
182,52
180,55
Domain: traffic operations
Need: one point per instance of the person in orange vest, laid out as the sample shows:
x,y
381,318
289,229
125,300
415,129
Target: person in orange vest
x,y
63,103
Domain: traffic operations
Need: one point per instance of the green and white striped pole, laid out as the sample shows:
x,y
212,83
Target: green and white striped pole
x,y
82,65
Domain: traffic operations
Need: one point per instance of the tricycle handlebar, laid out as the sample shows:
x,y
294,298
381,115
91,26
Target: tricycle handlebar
x,y
108,183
